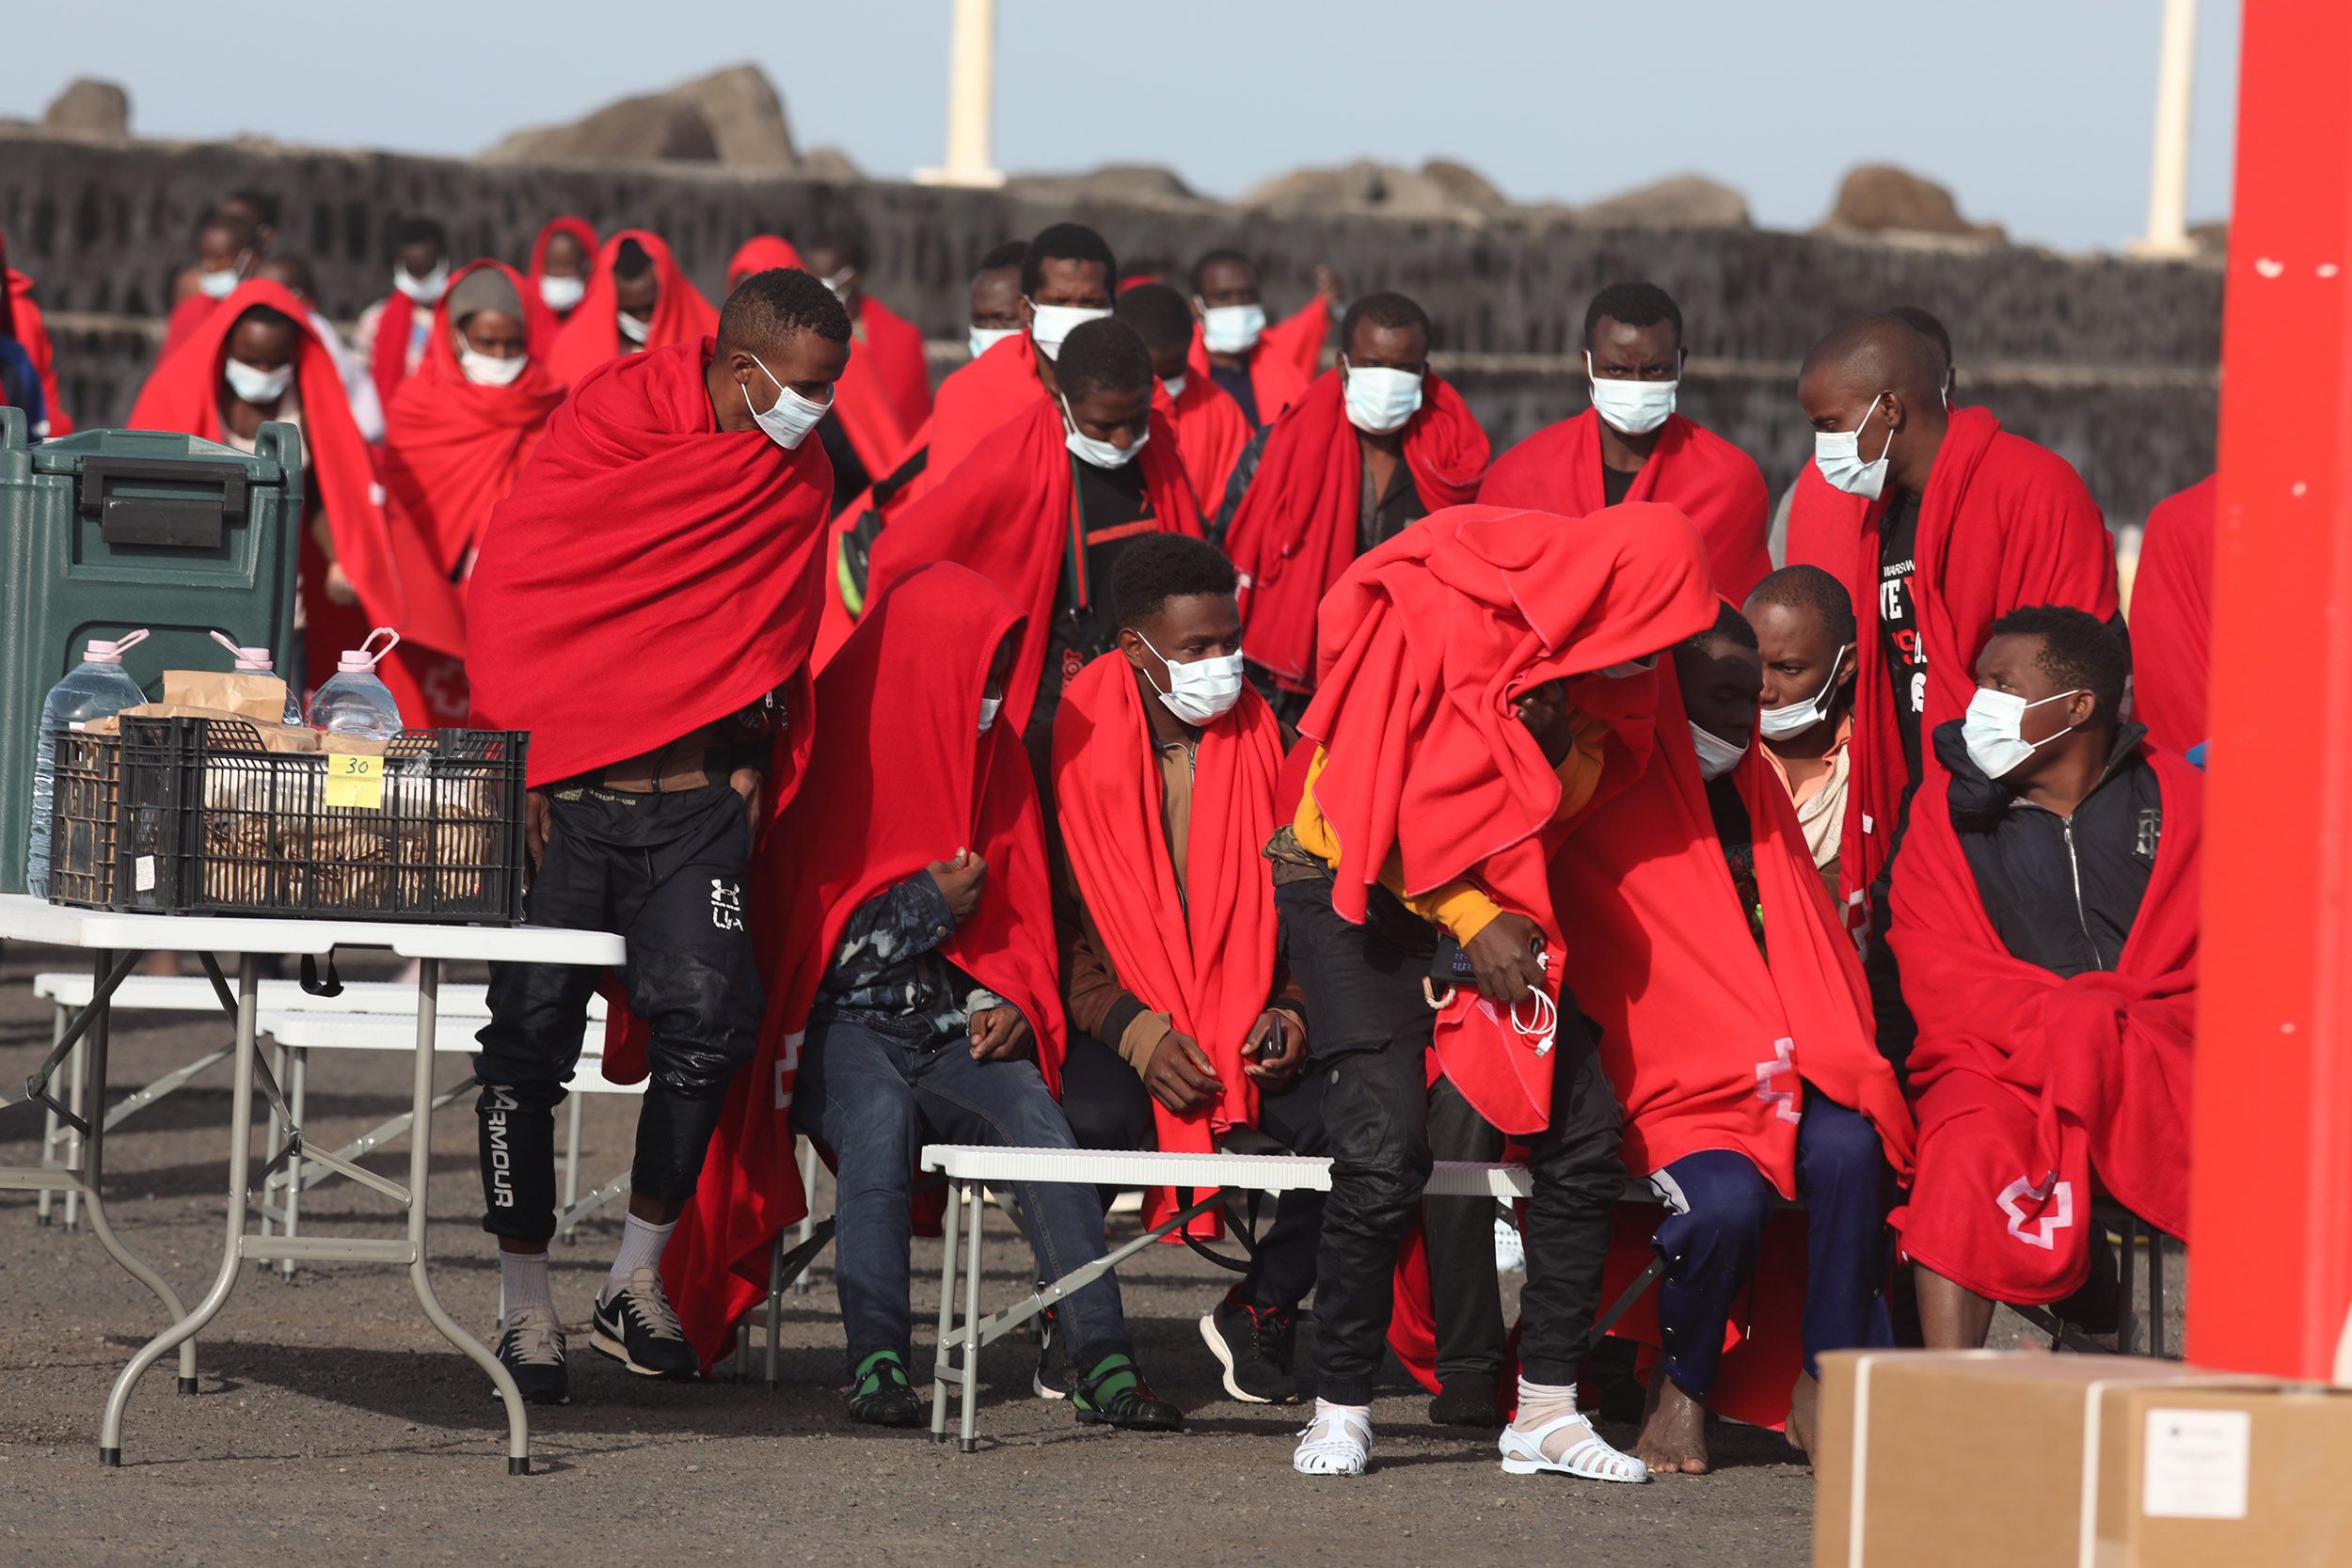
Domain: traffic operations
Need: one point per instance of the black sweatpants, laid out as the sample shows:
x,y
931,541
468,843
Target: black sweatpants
x,y
666,872
1459,1235
1373,1029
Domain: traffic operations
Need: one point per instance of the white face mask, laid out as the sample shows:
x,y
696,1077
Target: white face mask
x,y
425,289
1994,730
1838,454
790,417
1230,328
1635,408
986,338
1716,756
1782,723
988,706
257,387
635,328
1381,399
838,284
1201,693
1103,454
1174,386
485,369
1053,324
560,294
221,284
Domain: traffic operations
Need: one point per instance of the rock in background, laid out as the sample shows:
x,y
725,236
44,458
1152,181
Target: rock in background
x,y
88,107
1880,198
732,117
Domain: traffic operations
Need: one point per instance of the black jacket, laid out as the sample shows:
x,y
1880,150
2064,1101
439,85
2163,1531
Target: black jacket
x,y
2062,891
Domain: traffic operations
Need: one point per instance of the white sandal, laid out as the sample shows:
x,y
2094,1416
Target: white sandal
x,y
1338,1442
1591,1457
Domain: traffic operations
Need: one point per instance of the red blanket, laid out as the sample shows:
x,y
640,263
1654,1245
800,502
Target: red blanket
x,y
882,800
1295,530
1427,643
388,354
1009,514
761,253
2098,1068
21,319
649,573
590,337
186,316
1211,431
549,323
1284,364
975,400
1825,529
1692,470
2004,524
2172,617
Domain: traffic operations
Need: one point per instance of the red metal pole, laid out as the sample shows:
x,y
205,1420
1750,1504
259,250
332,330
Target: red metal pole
x,y
2271,1215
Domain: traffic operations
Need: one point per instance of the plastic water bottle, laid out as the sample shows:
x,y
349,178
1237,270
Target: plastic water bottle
x,y
96,687
355,702
256,662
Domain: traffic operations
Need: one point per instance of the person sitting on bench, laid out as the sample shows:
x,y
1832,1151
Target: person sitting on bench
x,y
1183,1024
2045,919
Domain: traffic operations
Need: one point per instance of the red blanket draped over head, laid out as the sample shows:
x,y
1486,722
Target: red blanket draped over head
x,y
1202,953
388,354
900,777
21,319
550,322
2171,617
761,253
886,392
1009,514
1825,528
451,448
1285,362
1211,431
396,582
1427,643
186,316
2004,524
649,575
590,337
1294,533
2031,1089
978,399
1692,470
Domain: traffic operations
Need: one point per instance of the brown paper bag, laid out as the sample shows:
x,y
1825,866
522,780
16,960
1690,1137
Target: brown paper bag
x,y
260,698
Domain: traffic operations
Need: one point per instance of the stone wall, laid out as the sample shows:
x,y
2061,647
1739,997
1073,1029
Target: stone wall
x,y
2111,362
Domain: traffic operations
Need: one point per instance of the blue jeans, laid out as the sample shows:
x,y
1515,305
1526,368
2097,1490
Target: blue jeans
x,y
874,1089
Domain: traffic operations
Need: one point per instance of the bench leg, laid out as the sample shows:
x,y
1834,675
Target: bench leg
x,y
970,1441
775,1305
2155,1293
297,1095
77,1075
49,1123
571,1161
953,1223
2127,1315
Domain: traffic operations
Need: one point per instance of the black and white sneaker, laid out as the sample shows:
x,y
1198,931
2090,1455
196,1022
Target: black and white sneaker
x,y
1253,1345
1055,1376
636,1327
531,1346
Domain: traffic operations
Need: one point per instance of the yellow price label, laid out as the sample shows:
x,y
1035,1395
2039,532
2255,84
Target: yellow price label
x,y
355,782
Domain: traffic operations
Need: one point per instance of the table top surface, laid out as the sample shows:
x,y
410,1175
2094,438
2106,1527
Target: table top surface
x,y
24,918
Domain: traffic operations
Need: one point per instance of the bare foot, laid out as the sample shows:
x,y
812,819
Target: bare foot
x,y
1804,1409
1674,1431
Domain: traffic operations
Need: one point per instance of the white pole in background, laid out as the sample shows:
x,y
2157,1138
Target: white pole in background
x,y
971,99
2168,177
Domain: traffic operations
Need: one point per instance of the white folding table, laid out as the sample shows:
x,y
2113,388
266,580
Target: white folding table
x,y
117,943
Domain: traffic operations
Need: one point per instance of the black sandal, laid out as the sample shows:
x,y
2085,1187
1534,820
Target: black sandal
x,y
882,1396
1112,1393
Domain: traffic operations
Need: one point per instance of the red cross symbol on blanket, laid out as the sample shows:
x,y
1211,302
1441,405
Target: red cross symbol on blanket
x,y
2059,1195
1767,1089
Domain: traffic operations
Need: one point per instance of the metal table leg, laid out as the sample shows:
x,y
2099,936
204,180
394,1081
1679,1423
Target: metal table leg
x,y
299,1065
419,1171
76,1097
776,1304
971,1438
50,1125
571,1163
953,1223
275,1141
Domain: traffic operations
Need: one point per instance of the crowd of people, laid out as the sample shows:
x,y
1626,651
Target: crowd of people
x,y
1181,729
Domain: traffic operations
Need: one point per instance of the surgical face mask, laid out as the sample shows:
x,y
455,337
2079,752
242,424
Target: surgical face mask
x,y
1230,328
635,328
1838,454
1781,723
988,706
425,289
560,294
986,338
1174,386
1635,408
484,369
790,417
1053,324
1381,399
838,284
1103,454
1717,757
1201,693
1994,730
259,387
221,284
1631,667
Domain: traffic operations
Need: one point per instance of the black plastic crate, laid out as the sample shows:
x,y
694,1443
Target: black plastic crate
x,y
196,816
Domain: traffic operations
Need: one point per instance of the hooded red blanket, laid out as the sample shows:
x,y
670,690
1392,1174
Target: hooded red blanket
x,y
1427,643
899,778
1211,431
1009,514
388,354
975,400
2004,524
1295,530
1286,360
453,448
186,316
761,253
650,573
889,368
1692,470
2098,1066
21,319
590,337
545,327
2172,617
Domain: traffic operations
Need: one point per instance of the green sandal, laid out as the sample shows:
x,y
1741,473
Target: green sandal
x,y
1112,1393
882,1396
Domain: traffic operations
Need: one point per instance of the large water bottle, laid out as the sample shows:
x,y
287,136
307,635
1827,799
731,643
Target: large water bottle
x,y
256,662
355,700
96,687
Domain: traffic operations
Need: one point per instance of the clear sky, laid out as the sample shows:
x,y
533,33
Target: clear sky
x,y
2038,113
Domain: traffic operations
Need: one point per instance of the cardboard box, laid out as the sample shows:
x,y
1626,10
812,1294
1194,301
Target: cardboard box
x,y
1991,1460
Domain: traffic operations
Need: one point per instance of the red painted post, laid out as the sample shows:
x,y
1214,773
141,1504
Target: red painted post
x,y
2271,1214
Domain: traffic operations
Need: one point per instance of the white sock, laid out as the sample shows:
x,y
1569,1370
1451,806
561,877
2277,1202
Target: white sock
x,y
1543,1401
640,1248
523,1282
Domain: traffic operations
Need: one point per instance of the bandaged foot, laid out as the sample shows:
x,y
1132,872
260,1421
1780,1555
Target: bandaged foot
x,y
1551,1434
1338,1442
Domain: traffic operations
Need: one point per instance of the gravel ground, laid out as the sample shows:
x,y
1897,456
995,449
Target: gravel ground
x,y
333,1421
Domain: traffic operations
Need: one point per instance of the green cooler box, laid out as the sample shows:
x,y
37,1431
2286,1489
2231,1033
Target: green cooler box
x,y
110,530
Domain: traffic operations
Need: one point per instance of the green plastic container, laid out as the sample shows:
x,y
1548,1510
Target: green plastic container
x,y
105,531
